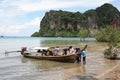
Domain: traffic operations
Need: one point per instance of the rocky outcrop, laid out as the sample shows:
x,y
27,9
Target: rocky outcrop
x,y
57,23
116,22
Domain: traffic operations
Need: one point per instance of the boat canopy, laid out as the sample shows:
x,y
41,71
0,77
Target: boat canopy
x,y
41,48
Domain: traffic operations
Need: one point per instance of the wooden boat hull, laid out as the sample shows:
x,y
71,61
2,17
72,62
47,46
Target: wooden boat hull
x,y
65,58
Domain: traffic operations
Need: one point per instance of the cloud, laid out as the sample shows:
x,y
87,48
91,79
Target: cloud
x,y
17,28
14,12
40,5
54,4
13,8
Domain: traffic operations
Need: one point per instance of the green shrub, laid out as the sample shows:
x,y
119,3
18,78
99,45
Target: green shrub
x,y
108,34
112,36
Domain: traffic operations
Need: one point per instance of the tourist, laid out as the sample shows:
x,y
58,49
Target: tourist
x,y
84,56
78,57
48,52
44,52
71,50
39,51
65,51
68,51
56,51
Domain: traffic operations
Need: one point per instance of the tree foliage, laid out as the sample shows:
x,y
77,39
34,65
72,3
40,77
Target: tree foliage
x,y
83,34
36,34
108,34
106,13
112,36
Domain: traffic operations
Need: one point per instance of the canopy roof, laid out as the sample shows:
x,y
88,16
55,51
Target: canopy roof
x,y
41,48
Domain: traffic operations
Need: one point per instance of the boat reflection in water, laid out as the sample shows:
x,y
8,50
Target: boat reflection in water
x,y
95,67
53,69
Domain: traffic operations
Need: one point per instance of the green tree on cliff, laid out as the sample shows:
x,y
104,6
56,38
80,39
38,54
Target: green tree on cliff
x,y
83,34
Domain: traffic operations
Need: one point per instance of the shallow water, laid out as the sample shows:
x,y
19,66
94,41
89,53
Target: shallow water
x,y
13,66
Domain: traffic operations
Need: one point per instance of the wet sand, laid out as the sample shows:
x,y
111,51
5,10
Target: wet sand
x,y
113,74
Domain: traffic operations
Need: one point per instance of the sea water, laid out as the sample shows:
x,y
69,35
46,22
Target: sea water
x,y
13,66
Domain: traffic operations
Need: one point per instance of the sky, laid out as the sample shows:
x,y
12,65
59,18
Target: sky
x,y
22,17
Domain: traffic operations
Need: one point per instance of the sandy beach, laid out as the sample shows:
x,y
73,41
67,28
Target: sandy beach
x,y
113,74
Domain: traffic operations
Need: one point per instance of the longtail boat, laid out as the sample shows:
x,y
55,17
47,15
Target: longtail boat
x,y
37,55
64,58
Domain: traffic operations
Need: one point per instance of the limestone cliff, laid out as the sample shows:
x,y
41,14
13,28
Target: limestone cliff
x,y
56,22
63,23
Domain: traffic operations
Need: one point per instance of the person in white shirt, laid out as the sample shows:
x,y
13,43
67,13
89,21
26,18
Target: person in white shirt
x,y
71,50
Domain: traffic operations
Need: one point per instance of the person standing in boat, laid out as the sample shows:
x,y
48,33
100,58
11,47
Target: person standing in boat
x,y
84,56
